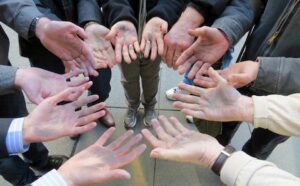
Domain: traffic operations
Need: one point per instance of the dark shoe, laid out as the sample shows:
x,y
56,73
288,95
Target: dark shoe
x,y
54,162
149,115
130,119
107,119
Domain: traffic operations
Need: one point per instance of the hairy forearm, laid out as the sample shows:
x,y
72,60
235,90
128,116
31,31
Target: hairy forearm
x,y
190,19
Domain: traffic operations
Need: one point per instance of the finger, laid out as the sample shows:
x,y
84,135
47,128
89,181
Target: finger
x,y
151,138
187,65
143,44
118,142
196,114
132,52
136,46
166,154
111,36
105,136
147,49
160,46
90,118
177,53
126,54
84,101
186,98
203,70
80,32
188,53
132,155
168,126
70,94
118,50
183,105
192,89
169,56
153,50
204,83
79,82
161,133
198,32
72,74
215,76
82,66
238,80
83,129
110,175
111,55
124,149
178,125
196,67
91,109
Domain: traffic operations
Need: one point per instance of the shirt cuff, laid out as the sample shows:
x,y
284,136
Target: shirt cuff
x,y
260,112
52,178
14,138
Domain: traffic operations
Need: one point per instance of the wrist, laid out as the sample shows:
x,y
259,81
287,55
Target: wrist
x,y
190,18
20,77
246,107
26,131
41,27
221,159
64,174
90,24
214,154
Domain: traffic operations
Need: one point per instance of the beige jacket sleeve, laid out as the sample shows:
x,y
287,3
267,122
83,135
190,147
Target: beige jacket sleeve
x,y
241,169
280,114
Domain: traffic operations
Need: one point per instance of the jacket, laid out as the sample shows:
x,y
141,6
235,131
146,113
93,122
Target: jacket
x,y
118,10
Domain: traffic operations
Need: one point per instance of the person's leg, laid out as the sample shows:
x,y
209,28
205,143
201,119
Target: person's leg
x,y
16,171
228,131
150,81
130,79
262,143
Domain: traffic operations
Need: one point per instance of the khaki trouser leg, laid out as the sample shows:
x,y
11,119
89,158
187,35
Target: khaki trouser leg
x,y
150,81
130,79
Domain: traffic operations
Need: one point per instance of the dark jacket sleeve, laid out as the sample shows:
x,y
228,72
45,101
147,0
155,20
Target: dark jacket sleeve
x,y
7,79
278,75
5,123
209,9
168,10
236,20
118,10
18,15
88,10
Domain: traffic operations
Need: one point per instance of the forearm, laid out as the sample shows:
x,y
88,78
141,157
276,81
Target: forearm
x,y
240,169
280,114
189,19
18,15
7,79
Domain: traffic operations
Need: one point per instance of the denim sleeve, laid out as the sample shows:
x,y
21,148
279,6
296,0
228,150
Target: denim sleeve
x,y
236,20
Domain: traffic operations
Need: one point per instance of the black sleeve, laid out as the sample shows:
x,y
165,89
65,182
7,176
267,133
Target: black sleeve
x,y
118,10
46,9
209,9
168,10
88,10
5,123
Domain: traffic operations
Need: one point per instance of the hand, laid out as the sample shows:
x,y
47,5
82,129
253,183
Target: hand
x,y
222,103
102,49
98,163
124,36
49,120
65,40
177,39
238,75
40,84
152,39
209,47
175,142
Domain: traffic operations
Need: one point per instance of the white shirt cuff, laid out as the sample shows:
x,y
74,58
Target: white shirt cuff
x,y
52,178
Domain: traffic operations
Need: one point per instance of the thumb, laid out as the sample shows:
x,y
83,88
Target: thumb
x,y
116,174
198,32
238,79
80,32
111,35
164,27
215,76
165,154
